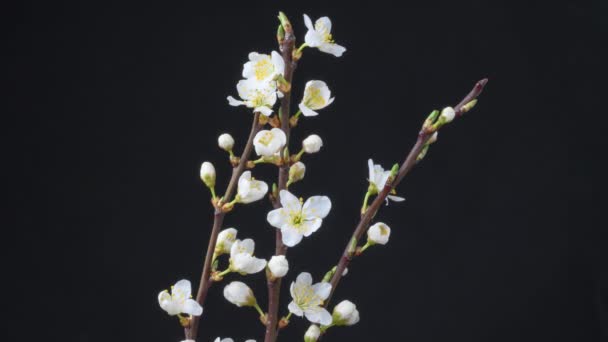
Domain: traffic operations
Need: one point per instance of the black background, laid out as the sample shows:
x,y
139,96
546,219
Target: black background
x,y
112,107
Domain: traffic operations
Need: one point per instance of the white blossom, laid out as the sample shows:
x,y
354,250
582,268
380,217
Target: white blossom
x,y
297,172
242,259
225,240
308,298
312,144
316,96
319,36
179,300
379,233
312,334
269,142
225,142
207,174
262,67
259,96
296,220
345,313
249,189
378,178
278,266
239,294
448,114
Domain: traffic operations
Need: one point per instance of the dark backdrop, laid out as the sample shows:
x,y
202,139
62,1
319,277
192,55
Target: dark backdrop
x,y
112,107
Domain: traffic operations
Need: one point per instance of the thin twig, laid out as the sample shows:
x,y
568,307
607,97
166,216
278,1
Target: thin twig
x,y
218,219
274,285
407,165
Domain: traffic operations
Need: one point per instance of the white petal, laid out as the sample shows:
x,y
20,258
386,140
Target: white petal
x,y
289,201
307,111
311,226
316,206
163,296
318,315
304,278
396,198
192,307
248,69
313,38
234,102
264,110
370,166
277,61
333,49
308,23
291,237
183,287
322,289
278,217
295,309
256,266
323,23
247,246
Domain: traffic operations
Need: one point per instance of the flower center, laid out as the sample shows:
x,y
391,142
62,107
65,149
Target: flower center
x,y
314,99
266,138
305,297
263,68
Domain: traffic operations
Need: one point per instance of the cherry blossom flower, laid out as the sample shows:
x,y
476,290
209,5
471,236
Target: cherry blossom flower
x,y
179,300
239,294
269,142
263,68
378,233
312,334
316,96
312,144
319,36
377,180
242,259
345,313
259,96
207,174
225,142
225,240
249,189
278,266
308,298
296,220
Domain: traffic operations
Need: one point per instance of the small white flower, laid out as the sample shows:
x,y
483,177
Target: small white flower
x,y
269,142
225,142
242,259
345,313
278,266
448,114
316,96
297,172
259,96
308,298
379,233
312,334
207,174
239,294
263,68
179,300
312,144
225,240
319,36
378,178
249,189
296,220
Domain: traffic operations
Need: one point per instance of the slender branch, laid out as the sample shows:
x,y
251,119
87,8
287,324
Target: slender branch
x,y
218,219
405,168
274,285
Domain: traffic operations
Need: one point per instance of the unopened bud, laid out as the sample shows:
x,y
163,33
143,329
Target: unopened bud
x,y
312,334
225,142
208,174
312,144
448,114
296,172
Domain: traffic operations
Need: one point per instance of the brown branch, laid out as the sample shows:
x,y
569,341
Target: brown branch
x,y
218,219
286,45
405,168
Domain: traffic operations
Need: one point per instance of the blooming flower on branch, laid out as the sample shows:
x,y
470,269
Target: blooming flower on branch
x,y
316,96
179,300
225,240
269,142
263,68
308,298
242,259
345,313
249,189
296,220
239,294
259,96
377,180
319,36
378,233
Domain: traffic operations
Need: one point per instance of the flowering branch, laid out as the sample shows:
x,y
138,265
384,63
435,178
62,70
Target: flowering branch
x,y
206,281
428,129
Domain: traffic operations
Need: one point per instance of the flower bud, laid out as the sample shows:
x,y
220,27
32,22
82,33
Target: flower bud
x,y
312,334
345,313
208,174
379,233
296,172
433,138
225,239
312,144
448,114
278,266
226,142
239,294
